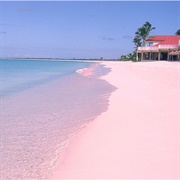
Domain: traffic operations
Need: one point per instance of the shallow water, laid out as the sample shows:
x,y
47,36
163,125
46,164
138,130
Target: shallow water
x,y
40,118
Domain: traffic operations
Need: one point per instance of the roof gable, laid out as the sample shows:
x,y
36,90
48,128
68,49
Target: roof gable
x,y
164,39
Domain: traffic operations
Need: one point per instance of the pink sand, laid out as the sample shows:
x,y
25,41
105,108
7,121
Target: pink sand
x,y
138,136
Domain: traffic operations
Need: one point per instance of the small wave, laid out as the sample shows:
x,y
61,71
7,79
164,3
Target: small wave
x,y
82,71
87,71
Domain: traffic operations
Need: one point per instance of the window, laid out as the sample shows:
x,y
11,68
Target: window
x,y
150,44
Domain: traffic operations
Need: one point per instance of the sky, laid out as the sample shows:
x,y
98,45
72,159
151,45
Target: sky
x,y
80,29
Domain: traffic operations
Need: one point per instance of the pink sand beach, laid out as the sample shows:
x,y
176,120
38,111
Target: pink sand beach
x,y
138,136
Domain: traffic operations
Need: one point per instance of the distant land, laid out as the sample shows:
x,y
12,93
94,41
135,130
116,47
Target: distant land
x,y
70,59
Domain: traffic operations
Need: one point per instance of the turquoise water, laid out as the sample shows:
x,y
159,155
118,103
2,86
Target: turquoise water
x,y
18,75
43,105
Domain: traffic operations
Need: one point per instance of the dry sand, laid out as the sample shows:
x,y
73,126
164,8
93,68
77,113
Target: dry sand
x,y
138,136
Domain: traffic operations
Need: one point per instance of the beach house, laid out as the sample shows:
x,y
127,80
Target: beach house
x,y
160,48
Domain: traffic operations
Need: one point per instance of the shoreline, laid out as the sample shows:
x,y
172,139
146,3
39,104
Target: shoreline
x,y
39,121
138,136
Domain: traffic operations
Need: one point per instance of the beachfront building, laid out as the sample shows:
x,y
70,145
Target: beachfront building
x,y
160,48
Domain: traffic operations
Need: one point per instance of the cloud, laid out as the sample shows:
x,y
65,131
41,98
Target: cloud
x,y
9,48
108,38
25,9
127,37
5,25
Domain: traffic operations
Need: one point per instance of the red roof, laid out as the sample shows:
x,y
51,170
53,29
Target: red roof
x,y
170,40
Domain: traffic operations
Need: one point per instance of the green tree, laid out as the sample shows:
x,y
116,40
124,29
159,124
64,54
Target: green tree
x,y
137,42
142,33
129,57
178,32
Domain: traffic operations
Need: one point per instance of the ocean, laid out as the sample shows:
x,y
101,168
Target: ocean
x,y
43,104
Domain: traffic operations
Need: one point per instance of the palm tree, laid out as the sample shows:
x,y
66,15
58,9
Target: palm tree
x,y
137,42
178,32
142,33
